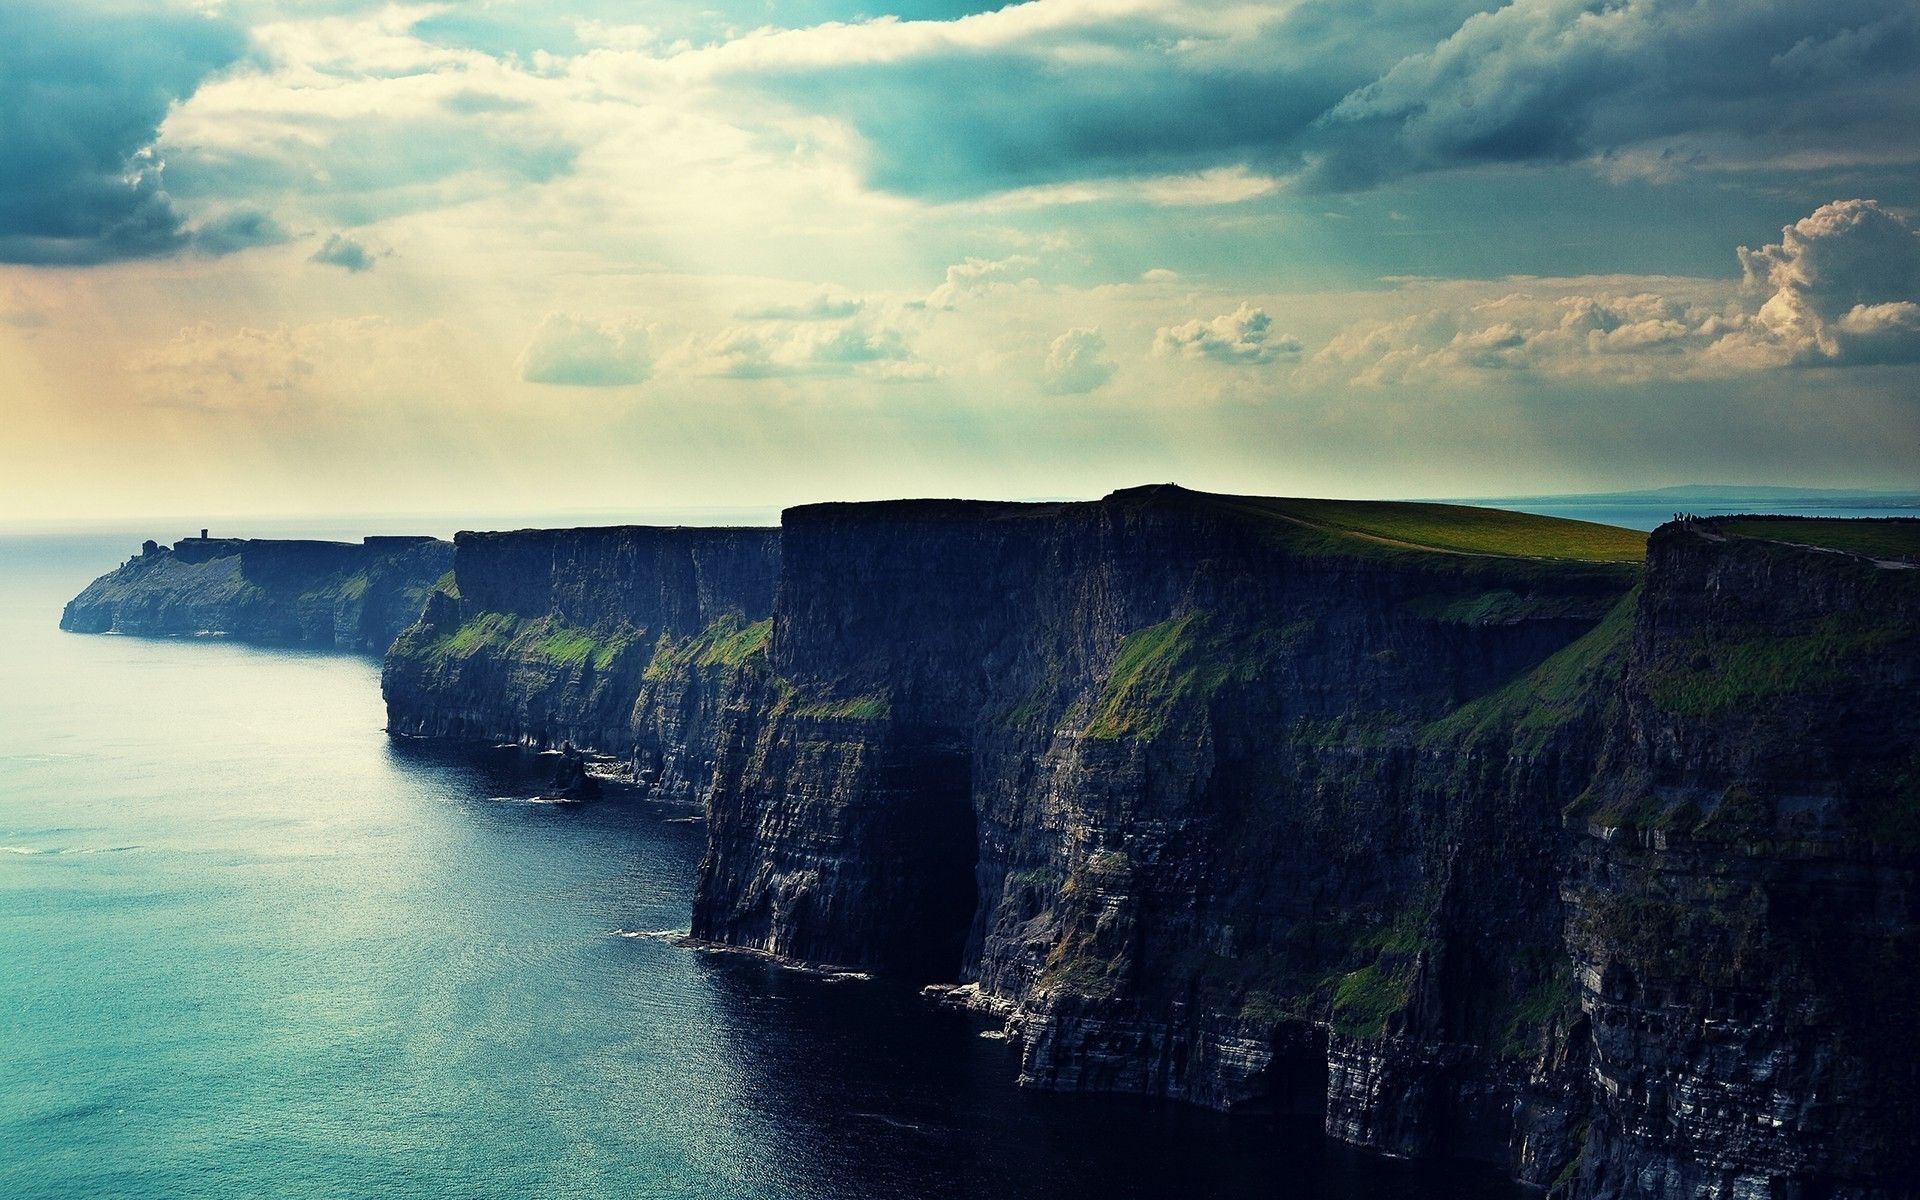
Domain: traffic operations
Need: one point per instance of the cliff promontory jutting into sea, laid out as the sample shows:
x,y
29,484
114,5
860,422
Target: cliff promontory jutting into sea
x,y
354,596
1589,854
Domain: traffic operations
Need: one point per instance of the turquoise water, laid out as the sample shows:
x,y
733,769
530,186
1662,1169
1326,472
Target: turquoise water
x,y
250,947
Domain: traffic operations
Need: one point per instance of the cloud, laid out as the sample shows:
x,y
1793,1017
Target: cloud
x,y
353,118
823,305
341,251
974,276
1077,362
1842,287
203,366
786,351
1030,97
1667,84
234,231
1618,336
575,352
1061,90
1242,337
83,92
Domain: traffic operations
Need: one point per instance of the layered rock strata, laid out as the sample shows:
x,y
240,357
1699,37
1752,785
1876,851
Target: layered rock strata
x,y
1507,855
618,640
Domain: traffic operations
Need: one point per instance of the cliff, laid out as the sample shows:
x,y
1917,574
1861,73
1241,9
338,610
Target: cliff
x,y
1743,889
1387,812
343,595
1477,834
618,640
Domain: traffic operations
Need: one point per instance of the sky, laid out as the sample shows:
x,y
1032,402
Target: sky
x,y
307,256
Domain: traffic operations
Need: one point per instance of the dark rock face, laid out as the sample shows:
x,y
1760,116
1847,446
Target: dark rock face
x,y
348,596
1225,810
1744,904
1606,874
618,640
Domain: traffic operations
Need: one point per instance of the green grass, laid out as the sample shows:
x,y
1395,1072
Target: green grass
x,y
1453,528
1711,677
727,642
1162,670
1074,966
564,645
480,631
1552,692
1547,999
1155,667
851,708
543,640
1882,538
732,649
1366,998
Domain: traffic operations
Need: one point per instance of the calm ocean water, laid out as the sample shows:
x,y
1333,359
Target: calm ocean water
x,y
250,947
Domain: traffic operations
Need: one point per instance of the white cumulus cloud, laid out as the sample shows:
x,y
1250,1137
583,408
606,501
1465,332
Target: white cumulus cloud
x,y
974,276
789,350
1842,286
1242,337
1077,362
577,352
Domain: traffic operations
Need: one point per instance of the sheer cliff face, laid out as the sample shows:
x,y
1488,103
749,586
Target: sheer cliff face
x,y
1481,855
1170,775
619,640
343,595
1463,830
1744,907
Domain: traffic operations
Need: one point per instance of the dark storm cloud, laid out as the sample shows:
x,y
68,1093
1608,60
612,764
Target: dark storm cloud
x,y
1347,96
1091,93
82,95
341,251
1760,83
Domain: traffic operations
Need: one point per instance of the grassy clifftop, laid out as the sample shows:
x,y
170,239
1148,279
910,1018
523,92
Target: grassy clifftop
x,y
1886,539
1448,528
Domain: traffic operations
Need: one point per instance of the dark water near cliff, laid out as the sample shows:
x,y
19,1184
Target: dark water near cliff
x,y
249,947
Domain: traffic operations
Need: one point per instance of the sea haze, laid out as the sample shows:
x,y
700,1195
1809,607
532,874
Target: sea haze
x,y
252,947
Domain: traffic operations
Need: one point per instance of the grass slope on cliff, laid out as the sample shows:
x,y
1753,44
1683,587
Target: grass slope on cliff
x,y
1452,528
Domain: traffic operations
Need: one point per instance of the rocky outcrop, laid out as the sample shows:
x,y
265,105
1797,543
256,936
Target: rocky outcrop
x,y
343,595
620,641
1259,804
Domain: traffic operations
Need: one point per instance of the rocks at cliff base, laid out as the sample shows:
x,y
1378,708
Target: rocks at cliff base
x,y
572,783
